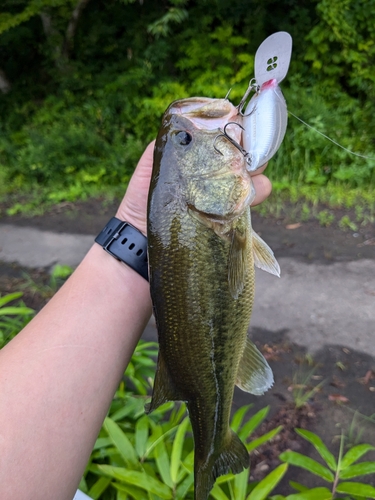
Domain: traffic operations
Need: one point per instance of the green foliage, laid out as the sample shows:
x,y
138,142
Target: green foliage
x,y
141,454
12,317
334,472
83,110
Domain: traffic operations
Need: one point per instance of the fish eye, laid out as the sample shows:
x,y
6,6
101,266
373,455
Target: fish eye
x,y
183,138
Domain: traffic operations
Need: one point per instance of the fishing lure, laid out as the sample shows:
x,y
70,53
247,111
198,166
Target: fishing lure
x,y
265,118
265,122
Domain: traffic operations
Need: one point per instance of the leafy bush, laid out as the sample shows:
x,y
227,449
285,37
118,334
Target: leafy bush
x,y
75,126
335,472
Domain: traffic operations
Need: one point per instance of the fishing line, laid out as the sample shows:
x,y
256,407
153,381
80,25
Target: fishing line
x,y
329,139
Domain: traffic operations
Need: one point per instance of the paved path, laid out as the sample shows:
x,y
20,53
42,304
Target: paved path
x,y
314,304
35,248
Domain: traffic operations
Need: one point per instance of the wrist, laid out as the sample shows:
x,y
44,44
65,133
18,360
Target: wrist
x,y
125,243
126,213
120,282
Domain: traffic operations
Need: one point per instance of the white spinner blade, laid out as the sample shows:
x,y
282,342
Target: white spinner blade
x,y
272,58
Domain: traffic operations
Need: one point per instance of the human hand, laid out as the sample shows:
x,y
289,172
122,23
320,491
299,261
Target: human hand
x,y
133,208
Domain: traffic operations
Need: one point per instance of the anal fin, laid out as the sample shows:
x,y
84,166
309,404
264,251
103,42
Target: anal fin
x,y
254,373
264,257
164,389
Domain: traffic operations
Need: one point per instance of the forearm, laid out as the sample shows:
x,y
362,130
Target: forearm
x,y
61,372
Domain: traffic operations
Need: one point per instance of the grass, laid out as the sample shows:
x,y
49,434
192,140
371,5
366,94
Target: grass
x,y
349,208
330,205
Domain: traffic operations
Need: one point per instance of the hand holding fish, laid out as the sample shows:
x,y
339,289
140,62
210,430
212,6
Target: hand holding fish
x,y
133,207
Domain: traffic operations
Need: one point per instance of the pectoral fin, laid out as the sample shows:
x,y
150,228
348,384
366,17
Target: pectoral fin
x,y
264,257
164,389
238,262
254,374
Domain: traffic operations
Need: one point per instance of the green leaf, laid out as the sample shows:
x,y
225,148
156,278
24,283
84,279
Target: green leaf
x,y
358,489
156,438
298,486
99,487
358,470
313,494
122,443
9,297
266,485
83,485
218,494
141,435
121,495
177,449
238,417
15,310
294,458
133,491
184,487
355,454
263,439
178,415
320,447
140,479
162,458
240,484
133,407
226,478
102,443
187,464
253,423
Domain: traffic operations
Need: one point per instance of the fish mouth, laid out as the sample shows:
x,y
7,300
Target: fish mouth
x,y
206,113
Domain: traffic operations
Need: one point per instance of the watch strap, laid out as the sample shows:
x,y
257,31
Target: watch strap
x,y
124,242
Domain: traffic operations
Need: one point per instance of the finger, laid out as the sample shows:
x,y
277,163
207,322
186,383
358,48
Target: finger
x,y
147,157
263,188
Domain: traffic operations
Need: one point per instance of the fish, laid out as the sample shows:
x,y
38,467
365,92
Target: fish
x,y
201,253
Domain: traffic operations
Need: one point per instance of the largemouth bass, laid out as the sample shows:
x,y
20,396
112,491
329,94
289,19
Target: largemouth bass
x,y
202,251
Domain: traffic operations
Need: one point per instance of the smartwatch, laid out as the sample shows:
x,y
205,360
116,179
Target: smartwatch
x,y
124,242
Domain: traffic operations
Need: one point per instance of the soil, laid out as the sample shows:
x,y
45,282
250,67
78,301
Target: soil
x,y
307,241
331,394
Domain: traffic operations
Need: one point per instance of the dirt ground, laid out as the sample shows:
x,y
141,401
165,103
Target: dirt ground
x,y
342,381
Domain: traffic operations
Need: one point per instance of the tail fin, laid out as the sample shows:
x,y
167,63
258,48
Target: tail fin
x,y
233,458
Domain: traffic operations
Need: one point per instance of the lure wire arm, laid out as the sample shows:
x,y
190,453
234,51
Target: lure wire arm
x,y
253,87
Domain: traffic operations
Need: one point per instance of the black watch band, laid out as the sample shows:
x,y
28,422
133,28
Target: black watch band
x,y
125,243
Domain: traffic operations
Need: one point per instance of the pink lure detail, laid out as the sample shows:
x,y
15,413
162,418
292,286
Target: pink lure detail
x,y
269,84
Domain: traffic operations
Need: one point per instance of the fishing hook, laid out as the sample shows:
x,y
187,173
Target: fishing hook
x,y
231,140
